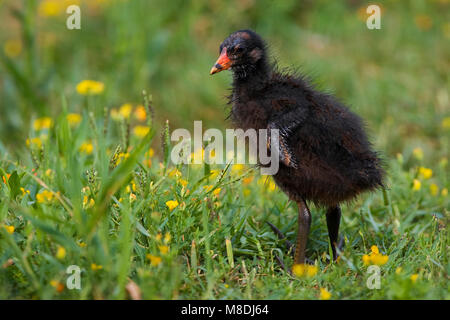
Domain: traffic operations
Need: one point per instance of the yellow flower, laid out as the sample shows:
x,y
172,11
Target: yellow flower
x,y
418,153
324,294
50,8
44,197
446,123
172,204
379,259
375,257
132,197
434,189
125,110
49,173
247,181
9,229
216,191
57,285
237,168
60,253
158,237
96,267
425,172
398,270
167,237
37,142
416,185
82,244
414,277
444,192
301,270
88,203
208,188
151,152
174,172
141,131
74,119
183,182
154,260
12,48
163,249
140,113
366,259
86,147
24,192
272,186
214,173
90,87
42,123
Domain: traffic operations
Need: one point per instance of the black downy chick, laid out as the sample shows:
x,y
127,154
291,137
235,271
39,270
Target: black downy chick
x,y
325,156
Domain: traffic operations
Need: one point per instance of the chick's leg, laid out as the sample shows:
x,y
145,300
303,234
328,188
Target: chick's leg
x,y
333,220
304,224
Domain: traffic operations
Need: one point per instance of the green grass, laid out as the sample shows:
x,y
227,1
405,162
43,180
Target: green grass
x,y
396,78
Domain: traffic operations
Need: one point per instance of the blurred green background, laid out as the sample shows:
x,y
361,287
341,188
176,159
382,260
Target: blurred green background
x,y
397,78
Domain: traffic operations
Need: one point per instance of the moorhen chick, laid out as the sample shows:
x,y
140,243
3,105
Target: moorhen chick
x,y
325,156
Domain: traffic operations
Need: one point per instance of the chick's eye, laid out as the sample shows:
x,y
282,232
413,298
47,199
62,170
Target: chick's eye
x,y
238,49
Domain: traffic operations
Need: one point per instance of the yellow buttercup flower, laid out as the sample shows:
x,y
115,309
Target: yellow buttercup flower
x,y
167,237
74,119
183,182
414,277
42,123
324,294
140,113
50,8
304,270
174,173
141,131
172,204
163,249
425,172
125,110
86,147
96,267
154,260
82,244
57,285
60,253
444,192
88,202
434,189
9,229
44,197
12,48
216,191
247,181
34,142
24,192
375,257
90,87
416,185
